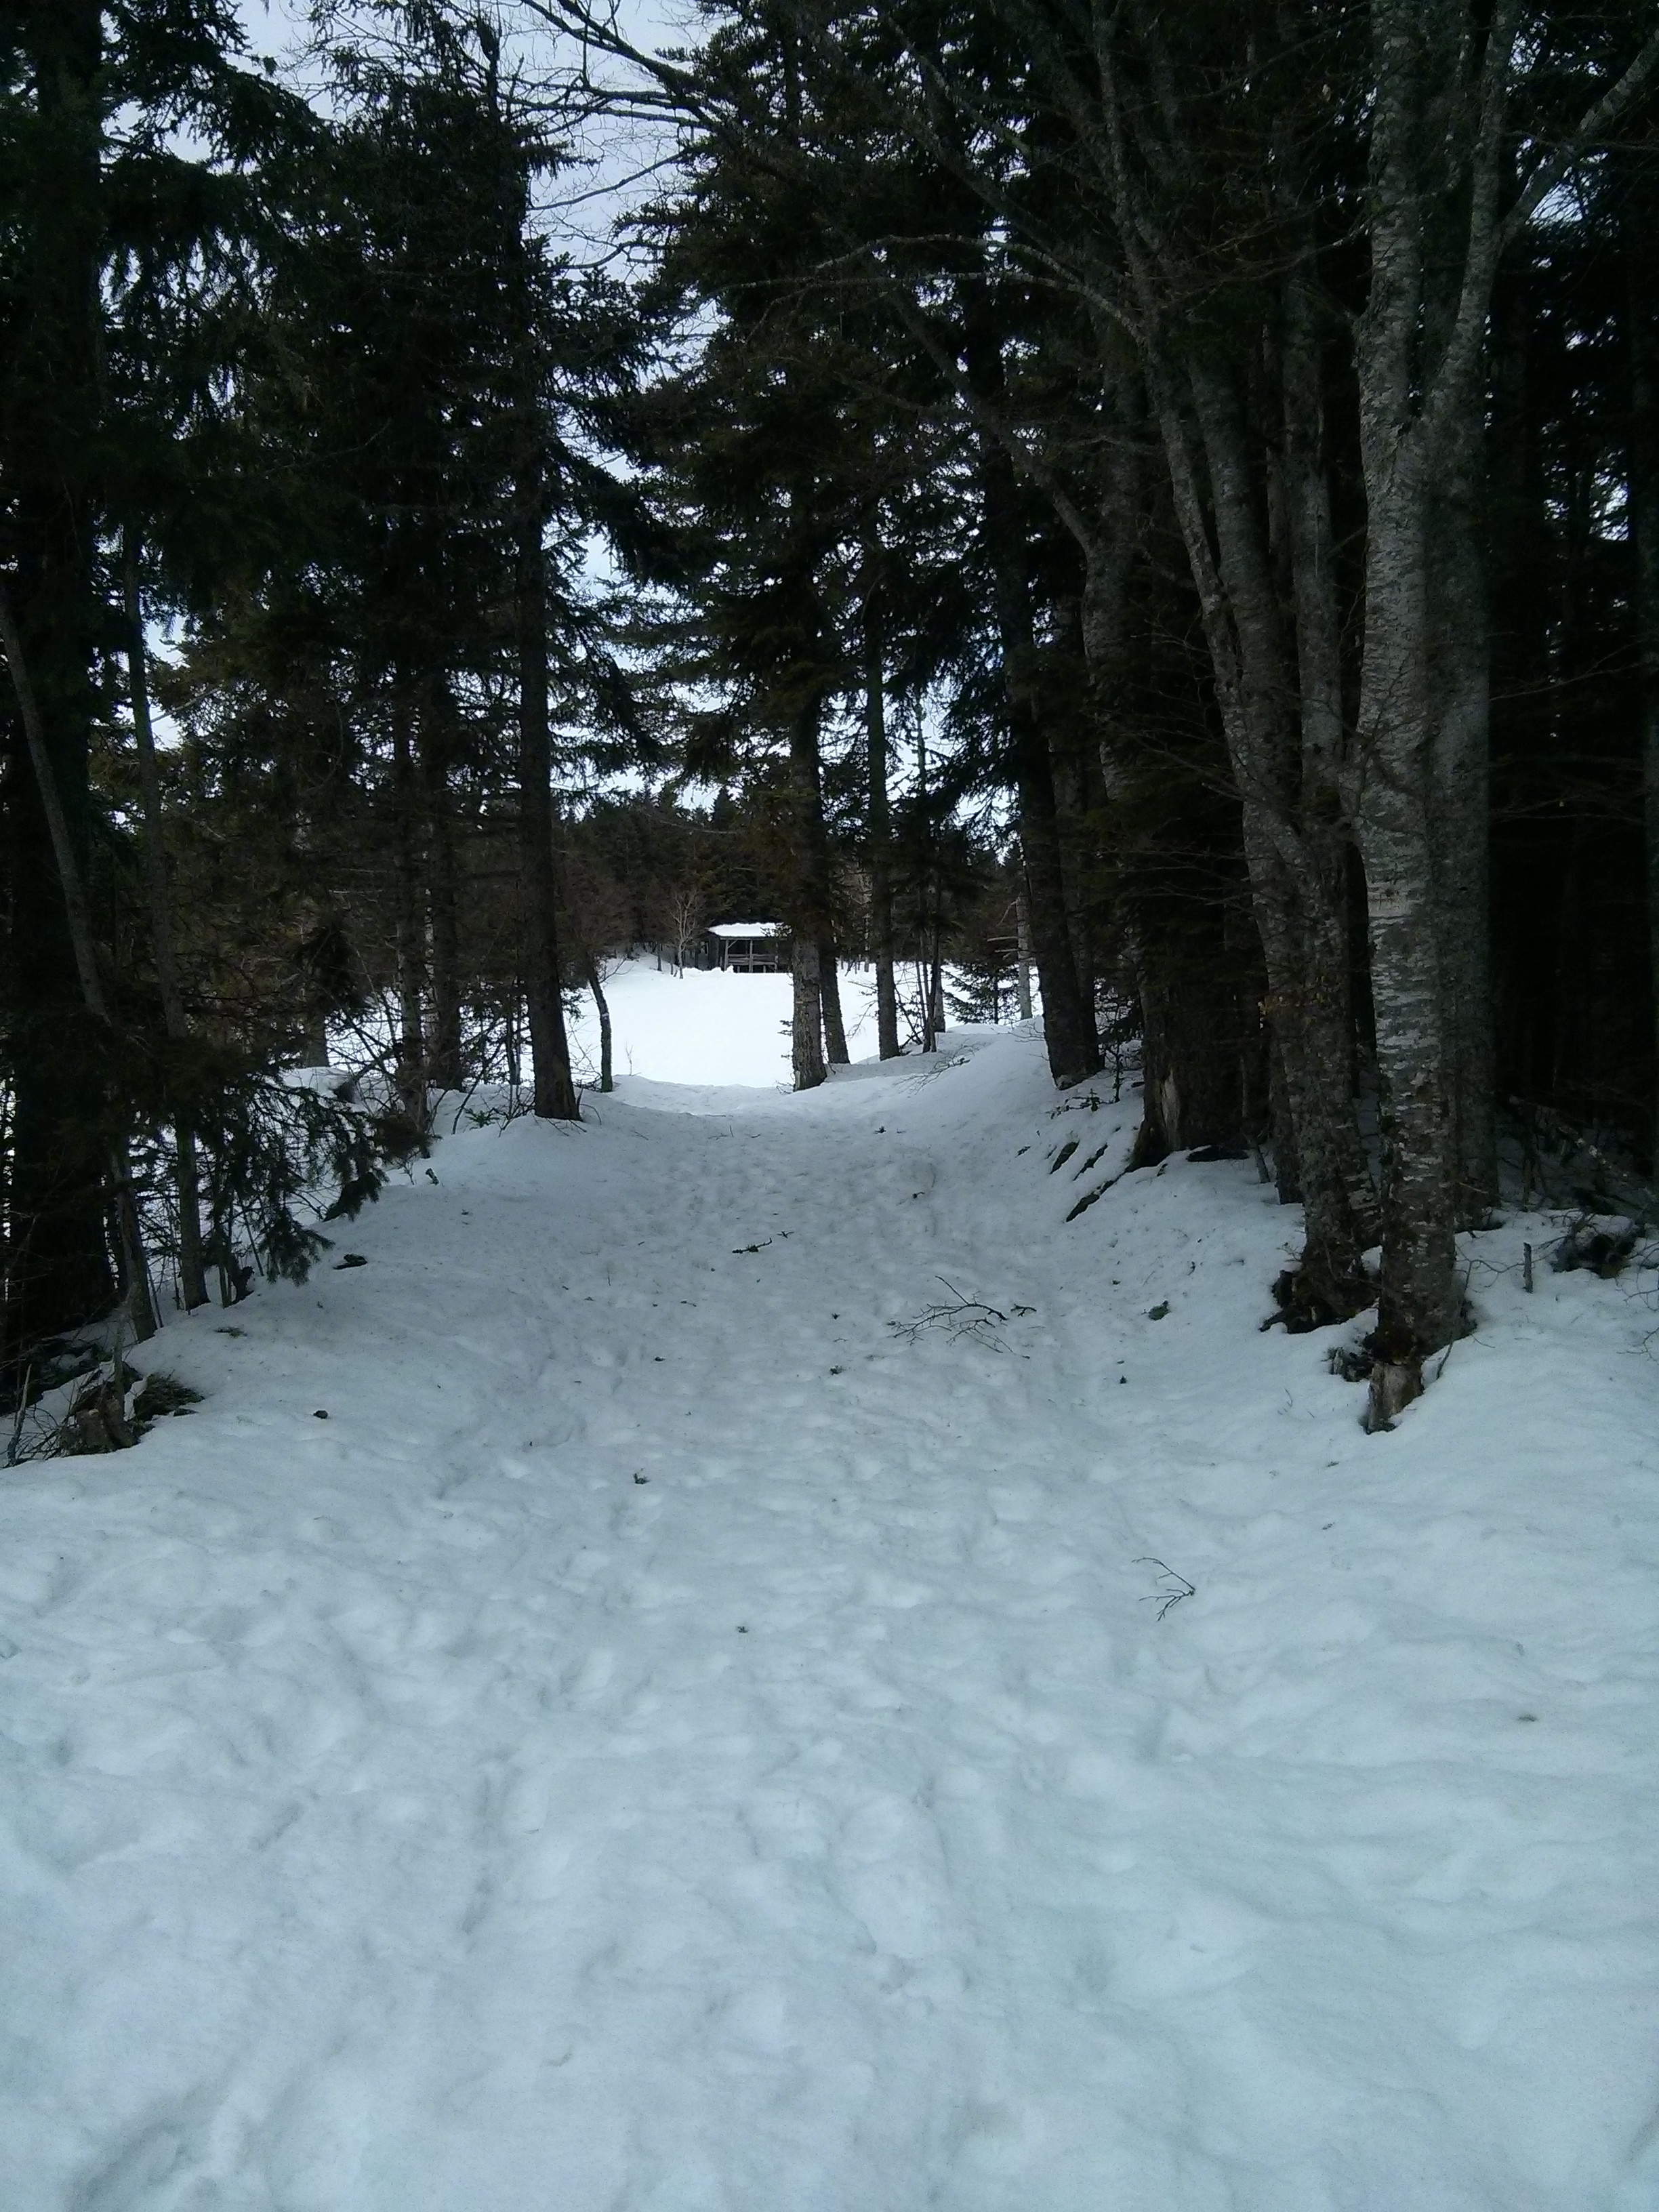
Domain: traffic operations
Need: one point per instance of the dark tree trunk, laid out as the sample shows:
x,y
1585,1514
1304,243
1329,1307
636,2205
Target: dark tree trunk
x,y
410,935
554,1093
1174,943
1459,817
58,1273
1642,313
1075,793
881,824
444,1055
807,1032
1189,1063
1068,1023
1023,948
1324,1118
835,1029
602,1006
811,922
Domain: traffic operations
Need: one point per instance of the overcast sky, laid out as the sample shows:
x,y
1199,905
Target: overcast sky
x,y
590,200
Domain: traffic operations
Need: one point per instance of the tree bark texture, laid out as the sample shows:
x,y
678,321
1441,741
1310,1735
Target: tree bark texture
x,y
1418,426
1023,949
806,1029
835,1029
1460,689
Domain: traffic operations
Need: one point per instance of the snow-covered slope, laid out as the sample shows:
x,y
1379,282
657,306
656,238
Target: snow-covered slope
x,y
666,1742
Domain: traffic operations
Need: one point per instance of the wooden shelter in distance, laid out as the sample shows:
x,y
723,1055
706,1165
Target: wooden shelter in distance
x,y
752,948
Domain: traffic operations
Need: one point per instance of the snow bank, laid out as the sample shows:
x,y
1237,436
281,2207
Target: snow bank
x,y
666,1743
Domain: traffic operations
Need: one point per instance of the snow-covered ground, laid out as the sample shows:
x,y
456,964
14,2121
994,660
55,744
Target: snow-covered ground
x,y
707,1026
666,1742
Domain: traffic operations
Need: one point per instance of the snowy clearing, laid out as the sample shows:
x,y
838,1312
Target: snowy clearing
x,y
707,1025
667,1742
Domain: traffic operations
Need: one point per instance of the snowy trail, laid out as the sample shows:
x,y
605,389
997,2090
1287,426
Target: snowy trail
x,y
665,1744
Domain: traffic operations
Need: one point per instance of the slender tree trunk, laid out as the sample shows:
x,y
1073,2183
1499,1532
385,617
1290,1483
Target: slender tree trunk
x,y
811,923
1459,812
444,1059
1420,1303
410,935
1071,816
1325,842
1075,791
1023,949
554,1093
835,1029
926,896
881,824
71,889
602,1006
1642,318
192,1280
1068,1023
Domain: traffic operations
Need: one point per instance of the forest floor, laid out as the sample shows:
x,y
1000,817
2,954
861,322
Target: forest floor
x,y
671,1741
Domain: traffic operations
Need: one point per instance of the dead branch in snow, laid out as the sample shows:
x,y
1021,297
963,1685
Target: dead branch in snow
x,y
960,1316
1170,1589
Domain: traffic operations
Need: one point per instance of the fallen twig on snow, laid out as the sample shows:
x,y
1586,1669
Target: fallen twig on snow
x,y
965,1316
1171,1587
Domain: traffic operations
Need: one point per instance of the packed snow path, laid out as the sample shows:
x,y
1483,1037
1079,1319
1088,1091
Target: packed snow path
x,y
667,1743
